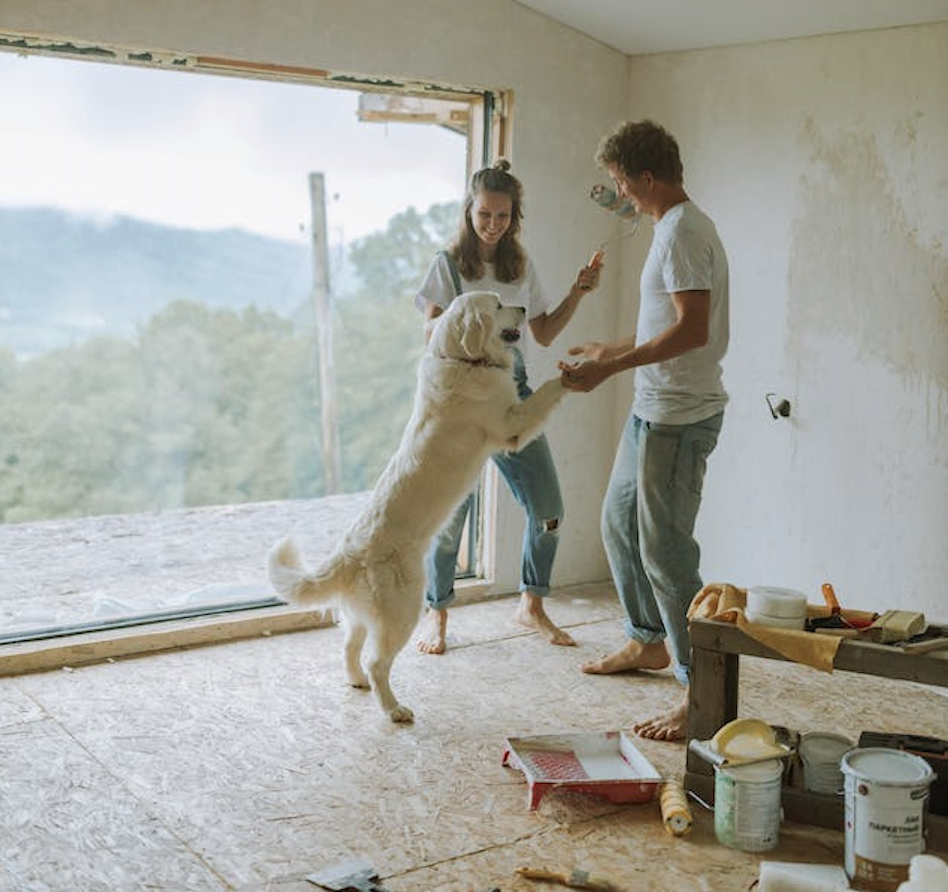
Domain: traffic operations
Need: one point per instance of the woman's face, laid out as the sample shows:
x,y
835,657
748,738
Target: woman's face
x,y
491,216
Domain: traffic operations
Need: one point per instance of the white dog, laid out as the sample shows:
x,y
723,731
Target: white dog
x,y
466,408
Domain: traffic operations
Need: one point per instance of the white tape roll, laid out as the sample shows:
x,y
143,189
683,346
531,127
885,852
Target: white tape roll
x,y
785,602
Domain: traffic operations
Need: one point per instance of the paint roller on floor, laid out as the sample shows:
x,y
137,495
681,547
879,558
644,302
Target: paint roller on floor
x,y
676,813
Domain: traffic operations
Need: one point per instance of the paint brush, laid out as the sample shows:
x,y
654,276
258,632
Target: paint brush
x,y
576,879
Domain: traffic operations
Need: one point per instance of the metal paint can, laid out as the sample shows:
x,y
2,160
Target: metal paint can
x,y
747,805
886,795
821,754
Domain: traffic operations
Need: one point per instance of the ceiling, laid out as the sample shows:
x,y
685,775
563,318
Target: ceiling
x,y
639,27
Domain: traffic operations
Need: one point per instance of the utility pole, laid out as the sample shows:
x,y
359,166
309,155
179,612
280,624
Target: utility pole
x,y
323,302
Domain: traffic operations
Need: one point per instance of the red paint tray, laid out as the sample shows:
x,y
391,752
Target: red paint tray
x,y
603,764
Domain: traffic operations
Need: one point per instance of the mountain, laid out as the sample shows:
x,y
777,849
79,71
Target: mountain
x,y
65,277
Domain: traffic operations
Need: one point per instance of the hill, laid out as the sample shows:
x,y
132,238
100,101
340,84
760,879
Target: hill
x,y
67,277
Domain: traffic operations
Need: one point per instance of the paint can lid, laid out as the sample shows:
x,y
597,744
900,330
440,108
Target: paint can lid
x,y
821,746
755,772
886,767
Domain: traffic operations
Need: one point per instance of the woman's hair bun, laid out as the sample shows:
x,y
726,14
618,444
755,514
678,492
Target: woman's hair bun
x,y
502,164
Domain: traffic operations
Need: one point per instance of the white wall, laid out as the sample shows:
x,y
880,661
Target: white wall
x,y
825,164
567,90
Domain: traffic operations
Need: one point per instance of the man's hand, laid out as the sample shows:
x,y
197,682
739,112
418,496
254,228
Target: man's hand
x,y
594,350
582,376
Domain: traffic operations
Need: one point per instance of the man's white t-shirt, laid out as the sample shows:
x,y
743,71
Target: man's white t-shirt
x,y
527,292
686,254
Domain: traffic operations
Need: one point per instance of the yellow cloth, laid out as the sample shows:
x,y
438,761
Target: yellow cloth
x,y
726,603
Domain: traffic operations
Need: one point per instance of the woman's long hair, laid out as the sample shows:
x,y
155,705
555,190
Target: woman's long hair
x,y
510,259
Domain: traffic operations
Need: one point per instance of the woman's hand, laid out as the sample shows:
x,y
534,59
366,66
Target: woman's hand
x,y
587,279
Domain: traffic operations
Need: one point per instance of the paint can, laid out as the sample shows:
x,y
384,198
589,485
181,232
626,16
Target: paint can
x,y
747,805
886,806
821,754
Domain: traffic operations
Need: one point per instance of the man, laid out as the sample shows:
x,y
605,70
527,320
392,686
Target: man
x,y
649,512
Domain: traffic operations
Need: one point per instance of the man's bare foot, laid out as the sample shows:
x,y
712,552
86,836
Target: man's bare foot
x,y
433,637
672,725
634,655
530,613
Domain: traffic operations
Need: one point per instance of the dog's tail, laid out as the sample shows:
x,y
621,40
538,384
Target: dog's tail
x,y
295,584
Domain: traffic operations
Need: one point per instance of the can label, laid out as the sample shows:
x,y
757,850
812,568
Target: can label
x,y
885,829
747,813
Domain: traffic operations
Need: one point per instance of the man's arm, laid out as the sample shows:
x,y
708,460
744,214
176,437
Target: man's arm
x,y
688,332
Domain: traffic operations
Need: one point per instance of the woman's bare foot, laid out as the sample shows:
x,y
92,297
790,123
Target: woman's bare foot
x,y
530,613
433,637
634,655
672,725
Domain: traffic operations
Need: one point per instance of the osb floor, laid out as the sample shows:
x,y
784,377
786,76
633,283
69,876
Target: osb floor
x,y
249,765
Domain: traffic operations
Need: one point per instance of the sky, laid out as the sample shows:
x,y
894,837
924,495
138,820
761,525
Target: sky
x,y
210,152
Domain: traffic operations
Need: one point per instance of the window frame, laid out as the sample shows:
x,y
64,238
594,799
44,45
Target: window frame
x,y
487,138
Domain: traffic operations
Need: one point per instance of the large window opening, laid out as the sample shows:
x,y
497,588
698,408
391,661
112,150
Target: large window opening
x,y
207,330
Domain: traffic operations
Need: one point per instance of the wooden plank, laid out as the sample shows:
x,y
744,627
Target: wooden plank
x,y
712,698
885,660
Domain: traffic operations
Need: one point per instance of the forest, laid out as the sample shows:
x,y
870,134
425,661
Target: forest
x,y
206,403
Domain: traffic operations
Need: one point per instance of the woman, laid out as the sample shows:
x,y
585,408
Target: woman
x,y
487,256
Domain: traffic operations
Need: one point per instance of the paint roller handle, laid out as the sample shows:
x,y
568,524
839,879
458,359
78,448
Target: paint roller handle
x,y
595,261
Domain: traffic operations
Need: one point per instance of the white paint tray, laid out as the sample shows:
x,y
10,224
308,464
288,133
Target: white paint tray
x,y
604,764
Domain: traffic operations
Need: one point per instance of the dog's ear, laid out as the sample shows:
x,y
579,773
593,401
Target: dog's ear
x,y
478,327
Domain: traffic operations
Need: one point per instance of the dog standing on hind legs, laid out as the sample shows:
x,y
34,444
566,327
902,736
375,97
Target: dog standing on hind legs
x,y
466,408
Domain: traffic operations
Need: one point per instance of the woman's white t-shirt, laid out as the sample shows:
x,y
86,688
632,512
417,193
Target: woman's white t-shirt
x,y
526,292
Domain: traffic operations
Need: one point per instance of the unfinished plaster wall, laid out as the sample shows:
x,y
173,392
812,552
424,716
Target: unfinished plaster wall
x,y
825,164
494,44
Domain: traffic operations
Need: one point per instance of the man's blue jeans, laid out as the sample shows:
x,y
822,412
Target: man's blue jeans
x,y
648,521
531,476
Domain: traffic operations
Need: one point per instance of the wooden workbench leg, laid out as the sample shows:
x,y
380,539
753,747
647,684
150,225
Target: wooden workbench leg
x,y
712,702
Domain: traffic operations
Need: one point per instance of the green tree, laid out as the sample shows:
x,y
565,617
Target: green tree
x,y
216,406
379,338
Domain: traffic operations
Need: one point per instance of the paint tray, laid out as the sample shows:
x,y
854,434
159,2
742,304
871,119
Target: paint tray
x,y
604,764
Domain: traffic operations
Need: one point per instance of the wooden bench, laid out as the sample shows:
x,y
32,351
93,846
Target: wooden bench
x,y
716,649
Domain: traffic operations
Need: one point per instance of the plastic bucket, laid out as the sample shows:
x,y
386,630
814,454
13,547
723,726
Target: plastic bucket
x,y
886,794
747,805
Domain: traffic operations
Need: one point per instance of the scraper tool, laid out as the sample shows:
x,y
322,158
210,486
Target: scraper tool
x,y
353,873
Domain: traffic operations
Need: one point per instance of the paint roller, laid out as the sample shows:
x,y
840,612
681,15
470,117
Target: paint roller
x,y
609,200
676,814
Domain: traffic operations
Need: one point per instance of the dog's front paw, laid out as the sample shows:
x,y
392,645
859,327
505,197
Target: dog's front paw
x,y
401,714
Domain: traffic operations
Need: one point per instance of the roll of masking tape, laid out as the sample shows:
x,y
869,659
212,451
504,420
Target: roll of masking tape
x,y
777,602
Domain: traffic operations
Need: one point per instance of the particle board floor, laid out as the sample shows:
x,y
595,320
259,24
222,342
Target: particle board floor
x,y
248,765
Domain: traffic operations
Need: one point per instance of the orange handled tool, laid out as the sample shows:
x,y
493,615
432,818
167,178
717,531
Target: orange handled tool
x,y
596,260
576,879
830,597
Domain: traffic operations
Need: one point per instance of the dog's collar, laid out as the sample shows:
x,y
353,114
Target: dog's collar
x,y
475,363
